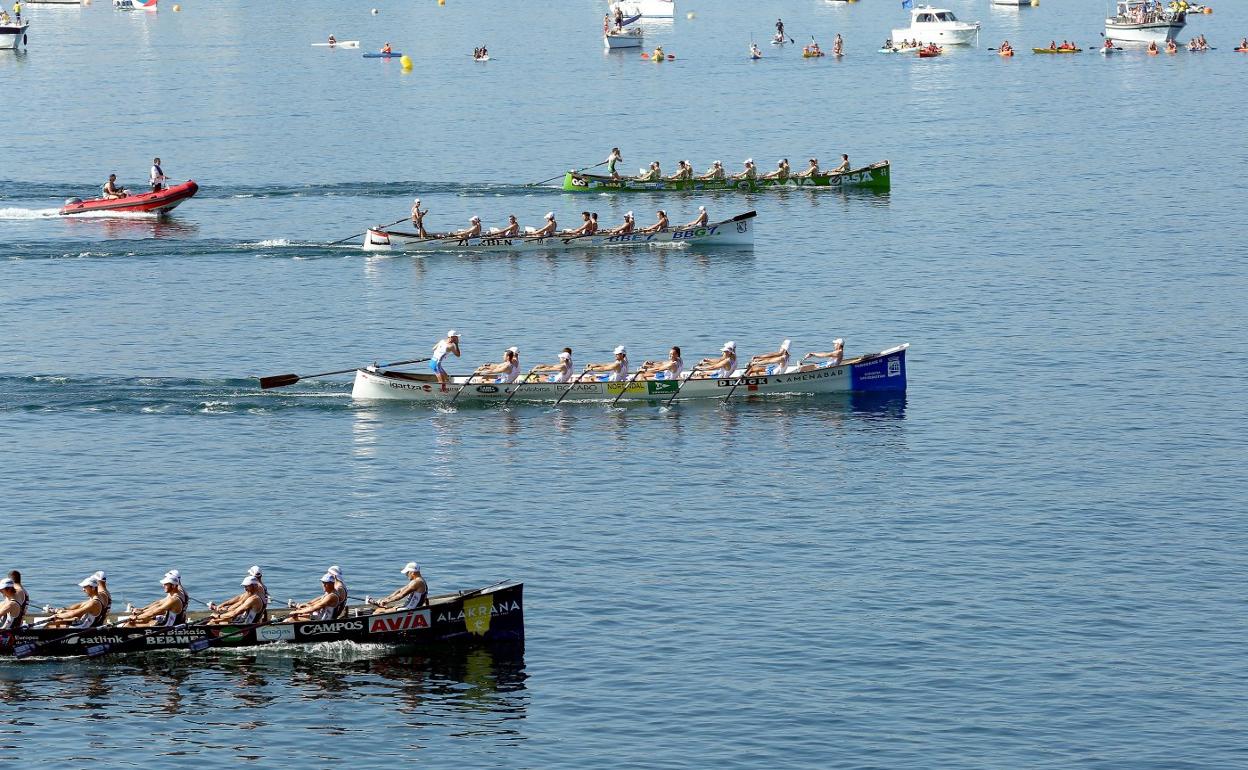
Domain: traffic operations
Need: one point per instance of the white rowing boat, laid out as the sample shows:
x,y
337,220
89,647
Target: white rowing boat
x,y
875,373
738,231
339,44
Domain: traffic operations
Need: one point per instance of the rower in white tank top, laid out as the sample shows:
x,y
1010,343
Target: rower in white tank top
x,y
614,371
560,372
411,596
503,372
323,607
671,369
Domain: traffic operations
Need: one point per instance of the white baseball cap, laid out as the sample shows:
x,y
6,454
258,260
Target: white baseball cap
x,y
328,577
168,580
550,215
174,573
452,333
701,208
785,346
88,581
564,356
749,160
335,570
7,583
729,345
838,341
250,580
619,349
100,575
513,349
254,570
411,566
628,215
475,219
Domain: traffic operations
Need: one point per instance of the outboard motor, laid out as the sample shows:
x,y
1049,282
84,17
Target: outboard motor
x,y
72,201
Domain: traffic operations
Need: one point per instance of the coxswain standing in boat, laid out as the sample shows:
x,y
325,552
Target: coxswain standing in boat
x,y
244,609
418,218
612,159
626,228
562,371
507,371
448,344
615,371
327,606
412,596
660,224
781,173
87,613
763,362
671,369
112,191
715,173
548,229
833,356
169,610
723,366
157,176
700,221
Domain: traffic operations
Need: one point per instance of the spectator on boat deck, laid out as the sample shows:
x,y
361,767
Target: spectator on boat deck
x,y
4,16
111,190
17,10
834,356
157,176
619,17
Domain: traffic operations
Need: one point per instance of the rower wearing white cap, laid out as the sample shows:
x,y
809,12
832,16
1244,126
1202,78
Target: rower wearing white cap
x,y
169,610
715,173
228,606
548,229
659,225
506,371
671,369
87,613
613,371
833,356
186,600
750,173
20,594
327,606
411,596
769,363
418,218
101,588
340,586
701,220
562,371
11,610
781,173
473,229
247,607
722,366
448,344
811,170
625,229
652,174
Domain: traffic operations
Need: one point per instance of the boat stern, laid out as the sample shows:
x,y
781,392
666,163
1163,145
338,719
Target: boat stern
x,y
377,240
885,371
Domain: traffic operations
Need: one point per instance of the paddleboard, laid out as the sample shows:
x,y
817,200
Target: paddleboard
x,y
340,44
391,55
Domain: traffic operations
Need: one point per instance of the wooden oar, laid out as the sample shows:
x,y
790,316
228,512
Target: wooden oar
x,y
688,377
571,385
516,389
467,382
553,178
282,380
357,235
623,390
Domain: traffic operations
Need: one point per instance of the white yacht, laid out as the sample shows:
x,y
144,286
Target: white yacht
x,y
13,35
1141,21
937,25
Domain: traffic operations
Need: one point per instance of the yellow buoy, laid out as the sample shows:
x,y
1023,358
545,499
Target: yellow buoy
x,y
406,61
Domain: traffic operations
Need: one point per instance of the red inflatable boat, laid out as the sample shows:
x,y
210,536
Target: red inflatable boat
x,y
158,203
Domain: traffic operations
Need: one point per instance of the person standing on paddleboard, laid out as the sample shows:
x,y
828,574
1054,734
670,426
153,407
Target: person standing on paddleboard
x,y
157,176
448,344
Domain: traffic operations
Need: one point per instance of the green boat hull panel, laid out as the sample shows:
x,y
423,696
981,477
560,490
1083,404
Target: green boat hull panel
x,y
874,177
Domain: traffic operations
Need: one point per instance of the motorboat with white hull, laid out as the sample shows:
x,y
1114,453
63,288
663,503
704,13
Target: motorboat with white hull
x,y
628,38
13,35
937,26
1139,21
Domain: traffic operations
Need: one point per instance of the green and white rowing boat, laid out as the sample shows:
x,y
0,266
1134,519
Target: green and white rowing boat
x,y
874,177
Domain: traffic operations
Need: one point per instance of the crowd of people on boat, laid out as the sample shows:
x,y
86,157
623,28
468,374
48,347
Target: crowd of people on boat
x,y
171,608
550,226
685,172
618,369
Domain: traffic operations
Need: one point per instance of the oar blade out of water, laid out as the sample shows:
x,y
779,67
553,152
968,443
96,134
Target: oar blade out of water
x,y
282,380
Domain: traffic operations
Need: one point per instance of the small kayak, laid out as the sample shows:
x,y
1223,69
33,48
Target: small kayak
x,y
809,55
1005,53
339,44
928,53
159,203
481,58
391,55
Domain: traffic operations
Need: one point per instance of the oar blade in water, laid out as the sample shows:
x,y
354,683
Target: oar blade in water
x,y
278,381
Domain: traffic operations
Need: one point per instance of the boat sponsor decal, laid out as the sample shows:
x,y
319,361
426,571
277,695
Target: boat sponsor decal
x,y
398,621
408,385
281,633
185,636
894,366
494,242
579,181
477,612
332,627
733,382
631,238
743,227
631,387
486,389
697,232
662,386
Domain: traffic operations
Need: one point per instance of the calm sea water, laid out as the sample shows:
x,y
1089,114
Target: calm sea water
x,y
1033,559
